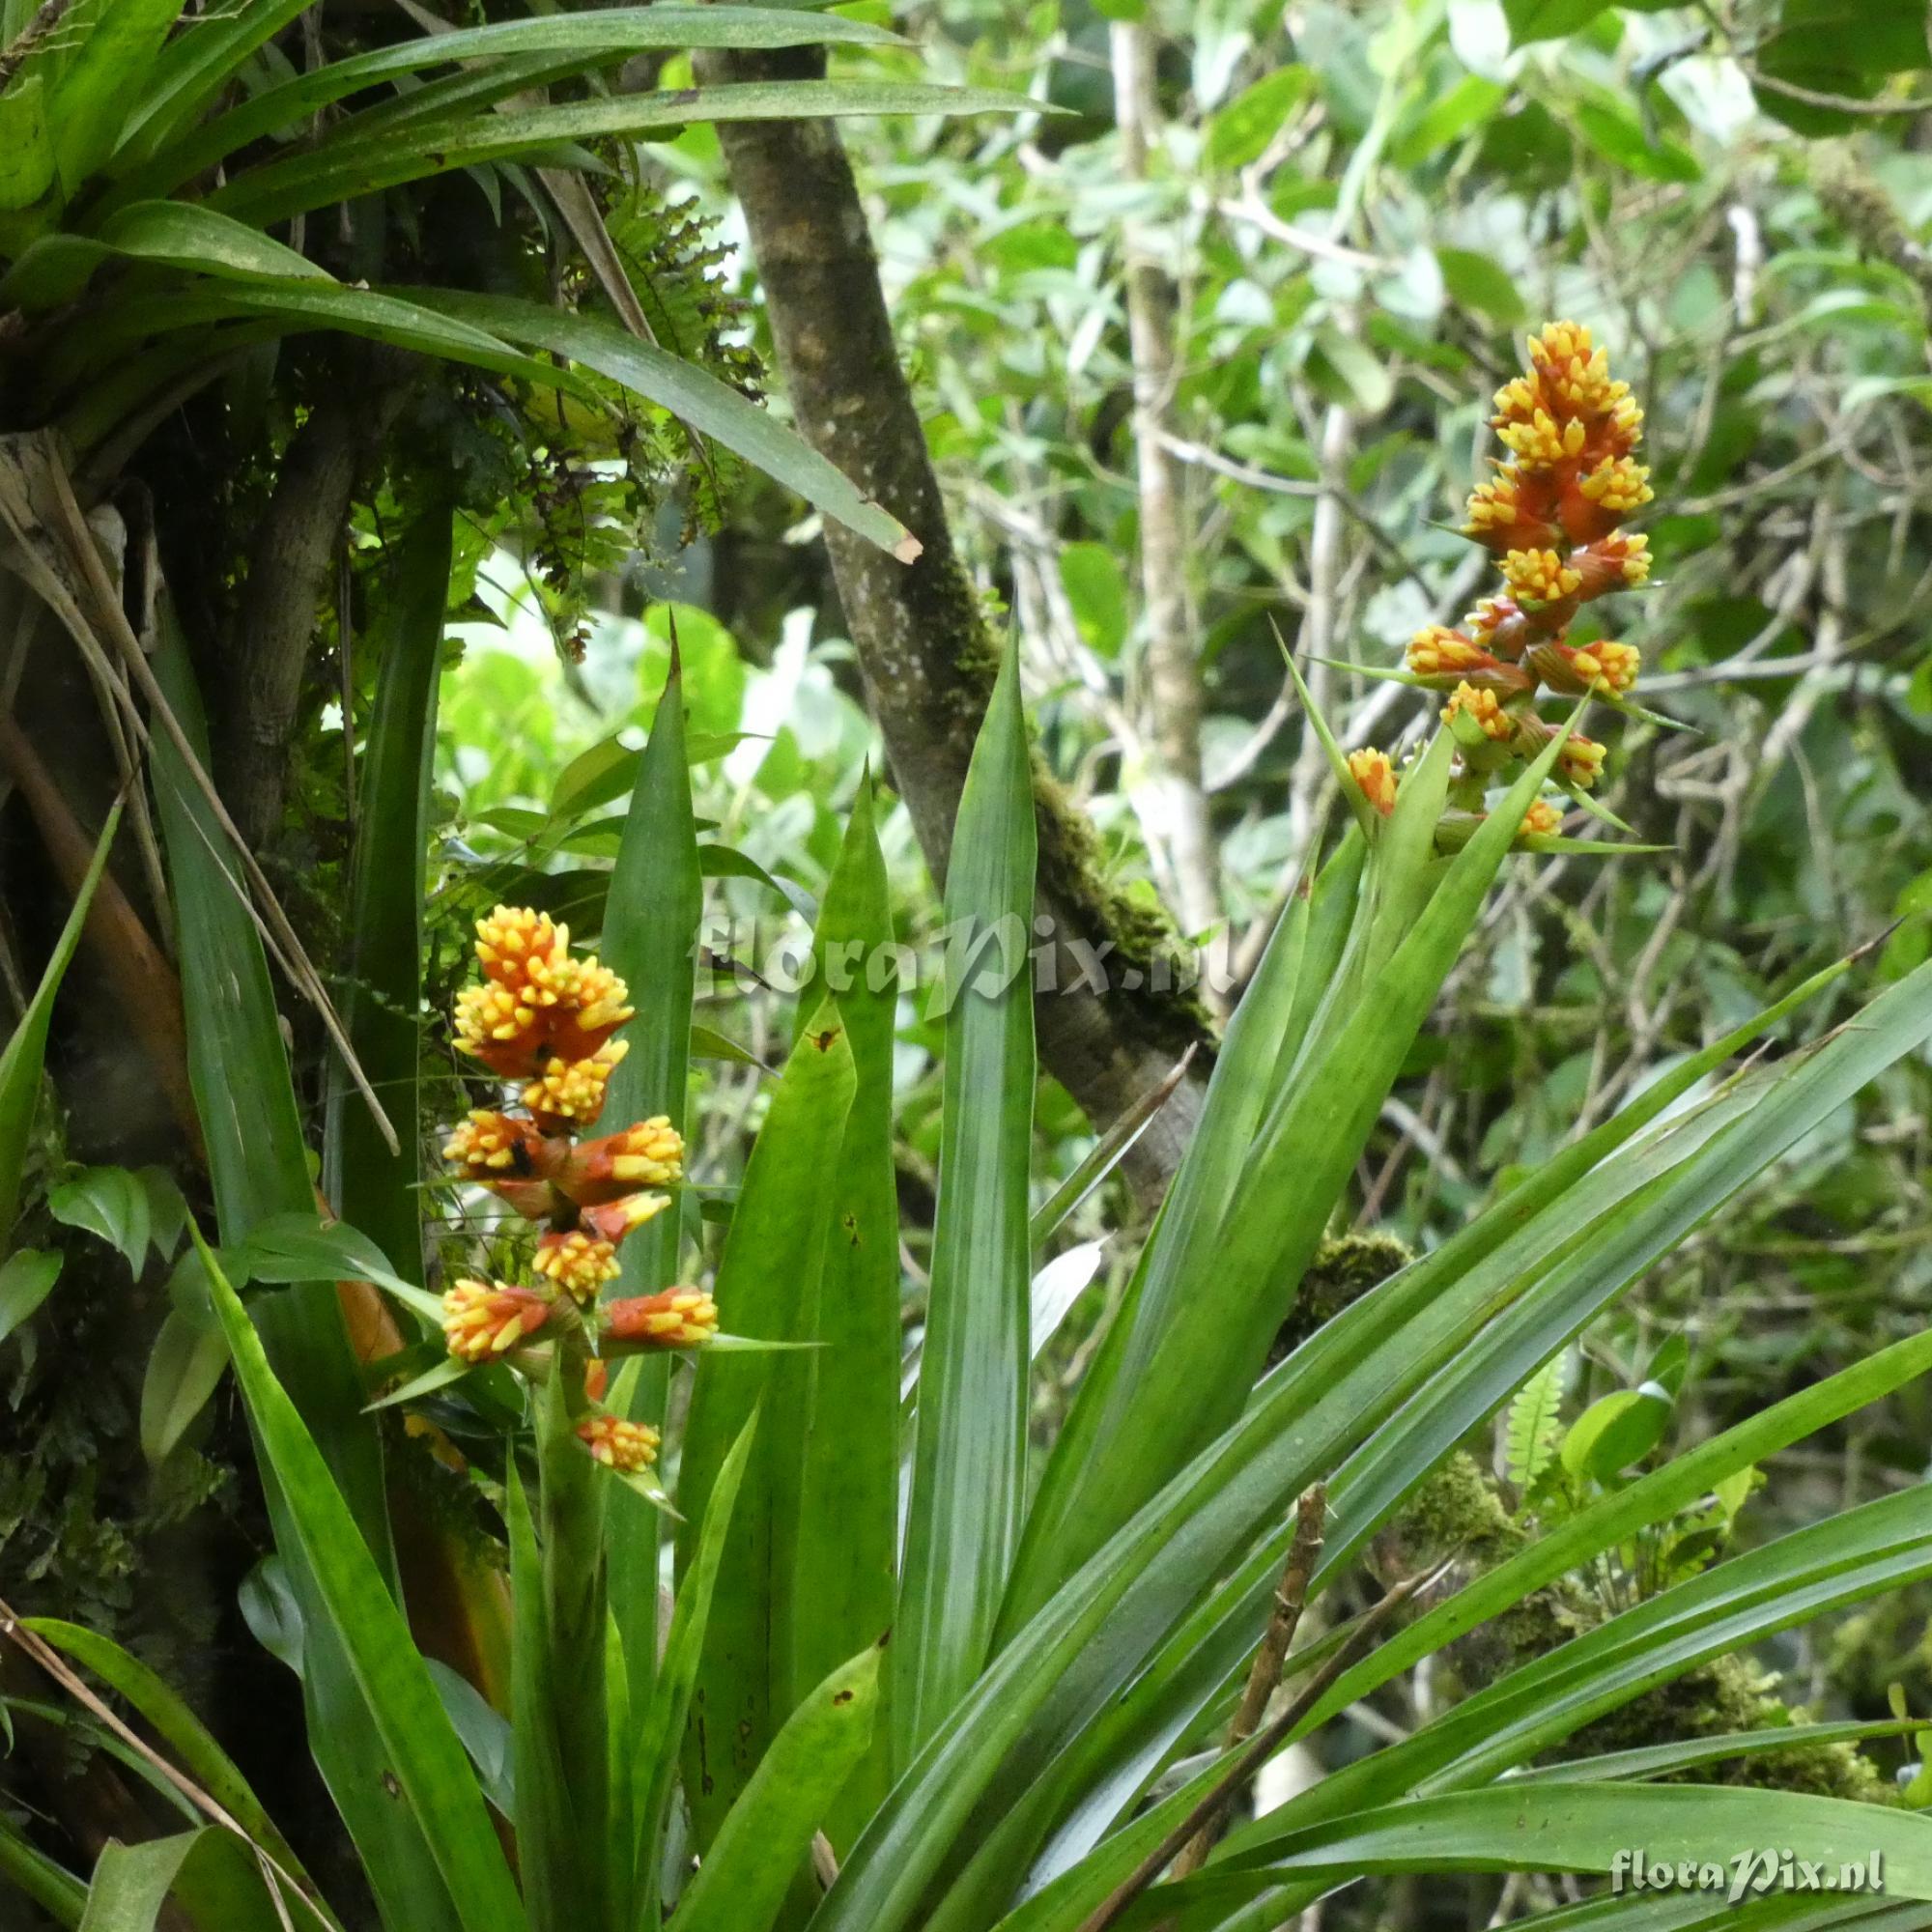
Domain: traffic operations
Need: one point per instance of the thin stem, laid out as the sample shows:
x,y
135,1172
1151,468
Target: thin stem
x,y
1251,1756
1264,1674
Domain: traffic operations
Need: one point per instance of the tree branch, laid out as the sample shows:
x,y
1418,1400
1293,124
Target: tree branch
x,y
290,570
1173,677
922,647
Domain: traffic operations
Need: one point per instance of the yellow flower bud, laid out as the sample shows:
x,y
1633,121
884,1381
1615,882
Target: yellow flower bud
x,y
628,1448
1375,775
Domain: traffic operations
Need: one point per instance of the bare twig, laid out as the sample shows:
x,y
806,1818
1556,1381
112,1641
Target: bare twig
x,y
1257,214
1311,640
52,546
1264,1674
1251,1756
1838,104
276,1878
34,35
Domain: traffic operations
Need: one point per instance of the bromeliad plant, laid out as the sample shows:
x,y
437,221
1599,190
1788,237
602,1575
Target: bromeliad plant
x,y
148,157
1089,1662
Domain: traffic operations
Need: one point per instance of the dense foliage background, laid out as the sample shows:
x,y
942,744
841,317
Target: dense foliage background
x,y
1360,209
1203,350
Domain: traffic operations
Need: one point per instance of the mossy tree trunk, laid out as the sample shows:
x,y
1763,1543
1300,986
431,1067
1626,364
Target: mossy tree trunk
x,y
922,643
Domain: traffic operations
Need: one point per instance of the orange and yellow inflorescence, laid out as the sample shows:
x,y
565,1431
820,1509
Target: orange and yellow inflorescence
x,y
481,1321
545,1018
680,1318
628,1448
1552,517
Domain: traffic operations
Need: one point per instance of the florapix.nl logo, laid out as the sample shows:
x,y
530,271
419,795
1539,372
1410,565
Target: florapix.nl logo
x,y
1746,1874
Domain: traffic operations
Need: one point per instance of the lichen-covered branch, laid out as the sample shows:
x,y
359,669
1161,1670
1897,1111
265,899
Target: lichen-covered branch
x,y
1173,673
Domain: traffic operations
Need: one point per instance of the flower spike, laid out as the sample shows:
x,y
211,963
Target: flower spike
x,y
1552,518
1373,772
481,1322
628,1448
680,1318
577,1262
545,1018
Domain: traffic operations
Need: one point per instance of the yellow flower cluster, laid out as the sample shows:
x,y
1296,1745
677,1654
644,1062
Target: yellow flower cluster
x,y
580,1263
570,1093
1540,577
679,1317
535,1002
1482,709
488,1146
481,1321
1376,775
628,1448
1439,652
545,1018
1550,516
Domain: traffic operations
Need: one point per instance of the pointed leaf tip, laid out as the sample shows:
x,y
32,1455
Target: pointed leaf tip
x,y
908,548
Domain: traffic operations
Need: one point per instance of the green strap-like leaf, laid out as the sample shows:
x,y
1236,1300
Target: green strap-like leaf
x,y
660,1737
1096,1635
438,1375
175,233
691,393
27,170
1658,1760
377,1190
102,81
1598,1238
848,1522
1198,1334
1588,1829
649,938
1298,961
419,1748
571,1508
567,41
210,1872
345,167
258,1167
298,1247
551,1847
23,1060
190,1746
292,306
1844,1560
969,1458
743,1881
36,1877
1611,1519
767,1286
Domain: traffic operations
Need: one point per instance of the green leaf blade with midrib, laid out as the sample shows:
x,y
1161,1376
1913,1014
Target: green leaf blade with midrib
x,y
418,1745
969,1456
848,1502
767,1289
